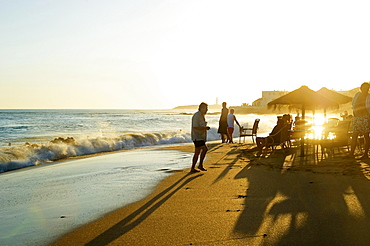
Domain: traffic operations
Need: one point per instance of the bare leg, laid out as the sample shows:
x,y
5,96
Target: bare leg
x,y
367,144
195,159
353,143
230,131
223,137
202,156
227,138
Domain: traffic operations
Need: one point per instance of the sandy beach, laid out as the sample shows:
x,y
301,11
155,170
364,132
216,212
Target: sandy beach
x,y
101,101
280,199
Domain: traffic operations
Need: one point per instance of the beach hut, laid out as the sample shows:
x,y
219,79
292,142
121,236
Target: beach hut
x,y
305,99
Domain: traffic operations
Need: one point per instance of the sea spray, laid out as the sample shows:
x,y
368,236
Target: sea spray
x,y
61,148
94,131
29,154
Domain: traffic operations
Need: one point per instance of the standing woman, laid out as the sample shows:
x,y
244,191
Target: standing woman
x,y
222,129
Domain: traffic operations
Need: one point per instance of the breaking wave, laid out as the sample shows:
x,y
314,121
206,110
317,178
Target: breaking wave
x,y
12,158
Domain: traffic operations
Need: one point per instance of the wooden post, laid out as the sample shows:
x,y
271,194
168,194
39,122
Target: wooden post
x,y
303,133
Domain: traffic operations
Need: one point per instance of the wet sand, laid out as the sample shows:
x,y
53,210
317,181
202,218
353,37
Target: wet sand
x,y
280,199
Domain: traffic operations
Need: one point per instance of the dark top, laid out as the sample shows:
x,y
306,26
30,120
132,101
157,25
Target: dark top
x,y
223,121
224,113
278,132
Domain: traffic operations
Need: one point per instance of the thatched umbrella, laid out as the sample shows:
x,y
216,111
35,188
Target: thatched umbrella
x,y
303,98
334,96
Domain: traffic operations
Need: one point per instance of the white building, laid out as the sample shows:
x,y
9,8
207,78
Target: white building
x,y
268,96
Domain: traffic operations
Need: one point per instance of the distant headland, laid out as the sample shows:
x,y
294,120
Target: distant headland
x,y
238,109
212,106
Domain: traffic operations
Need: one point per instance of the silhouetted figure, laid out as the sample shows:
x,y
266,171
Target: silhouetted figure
x,y
283,123
222,128
360,121
199,136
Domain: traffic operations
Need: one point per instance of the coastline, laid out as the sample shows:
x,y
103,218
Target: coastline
x,y
241,200
49,200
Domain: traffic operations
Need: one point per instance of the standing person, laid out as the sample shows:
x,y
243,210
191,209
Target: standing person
x,y
199,136
222,129
230,124
361,112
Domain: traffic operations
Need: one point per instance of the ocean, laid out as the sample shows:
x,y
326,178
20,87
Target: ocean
x,y
35,137
43,198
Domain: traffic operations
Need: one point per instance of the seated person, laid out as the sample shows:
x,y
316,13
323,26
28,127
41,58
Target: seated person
x,y
278,135
299,125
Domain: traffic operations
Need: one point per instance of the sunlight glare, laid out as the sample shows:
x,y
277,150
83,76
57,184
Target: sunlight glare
x,y
320,122
317,127
319,119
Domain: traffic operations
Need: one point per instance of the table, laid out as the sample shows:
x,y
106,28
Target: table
x,y
301,134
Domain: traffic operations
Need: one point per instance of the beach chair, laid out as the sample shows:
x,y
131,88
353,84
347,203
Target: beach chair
x,y
281,138
249,132
341,138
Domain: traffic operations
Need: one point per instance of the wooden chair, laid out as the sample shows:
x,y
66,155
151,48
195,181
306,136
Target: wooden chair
x,y
341,138
249,132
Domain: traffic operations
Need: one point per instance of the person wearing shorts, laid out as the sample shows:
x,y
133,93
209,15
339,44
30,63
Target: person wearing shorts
x,y
360,121
230,125
199,136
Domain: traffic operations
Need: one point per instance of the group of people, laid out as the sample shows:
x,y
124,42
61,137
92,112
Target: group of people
x,y
199,130
226,124
360,126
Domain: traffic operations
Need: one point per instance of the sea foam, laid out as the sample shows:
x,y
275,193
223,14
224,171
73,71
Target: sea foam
x,y
29,154
61,148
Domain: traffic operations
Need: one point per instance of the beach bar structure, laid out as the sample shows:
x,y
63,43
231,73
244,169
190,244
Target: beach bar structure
x,y
305,99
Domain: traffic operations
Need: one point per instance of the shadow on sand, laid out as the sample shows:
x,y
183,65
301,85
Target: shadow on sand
x,y
305,201
135,218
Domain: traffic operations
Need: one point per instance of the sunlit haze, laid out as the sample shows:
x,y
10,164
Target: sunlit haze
x,y
162,54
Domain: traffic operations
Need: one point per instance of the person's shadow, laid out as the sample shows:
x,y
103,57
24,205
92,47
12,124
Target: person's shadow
x,y
135,218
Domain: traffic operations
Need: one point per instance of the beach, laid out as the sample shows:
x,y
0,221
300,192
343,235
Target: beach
x,y
280,199
127,182
61,169
105,105
41,203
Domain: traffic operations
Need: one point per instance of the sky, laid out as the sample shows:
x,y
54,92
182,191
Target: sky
x,y
158,54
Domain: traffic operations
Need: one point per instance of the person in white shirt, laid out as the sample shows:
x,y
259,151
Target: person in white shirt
x,y
199,136
230,124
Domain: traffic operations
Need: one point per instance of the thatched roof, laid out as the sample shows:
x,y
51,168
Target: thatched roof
x,y
304,97
334,96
